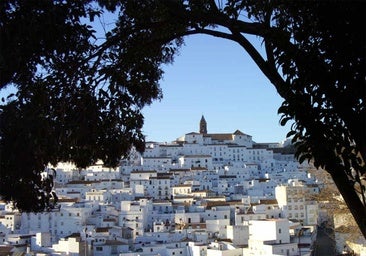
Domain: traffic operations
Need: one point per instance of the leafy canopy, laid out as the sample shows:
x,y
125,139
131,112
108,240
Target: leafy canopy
x,y
78,98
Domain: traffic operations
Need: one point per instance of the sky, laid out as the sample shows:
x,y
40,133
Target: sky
x,y
215,78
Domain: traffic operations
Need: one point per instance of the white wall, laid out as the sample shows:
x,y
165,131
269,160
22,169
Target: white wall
x,y
269,230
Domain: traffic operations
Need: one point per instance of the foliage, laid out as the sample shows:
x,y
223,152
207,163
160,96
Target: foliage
x,y
77,100
69,83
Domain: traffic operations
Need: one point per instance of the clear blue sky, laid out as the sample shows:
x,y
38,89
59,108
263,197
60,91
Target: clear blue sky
x,y
215,78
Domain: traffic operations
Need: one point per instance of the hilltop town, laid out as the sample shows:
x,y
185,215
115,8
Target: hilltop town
x,y
204,194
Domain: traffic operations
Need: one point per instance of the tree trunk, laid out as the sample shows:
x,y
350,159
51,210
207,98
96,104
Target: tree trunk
x,y
350,196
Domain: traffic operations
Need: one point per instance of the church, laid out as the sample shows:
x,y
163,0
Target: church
x,y
204,138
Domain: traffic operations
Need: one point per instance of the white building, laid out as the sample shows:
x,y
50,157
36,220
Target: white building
x,y
41,241
10,222
270,237
223,249
133,215
110,247
191,161
160,163
71,245
292,200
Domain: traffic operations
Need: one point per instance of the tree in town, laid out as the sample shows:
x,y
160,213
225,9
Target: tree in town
x,y
79,98
76,100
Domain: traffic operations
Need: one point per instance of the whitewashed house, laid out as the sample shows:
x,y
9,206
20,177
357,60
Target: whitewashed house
x,y
133,215
110,247
270,237
223,249
191,161
10,222
292,200
70,245
160,163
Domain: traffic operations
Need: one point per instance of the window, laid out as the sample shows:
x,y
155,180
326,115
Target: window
x,y
279,231
99,248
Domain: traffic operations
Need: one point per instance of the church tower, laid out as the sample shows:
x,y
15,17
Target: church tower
x,y
203,125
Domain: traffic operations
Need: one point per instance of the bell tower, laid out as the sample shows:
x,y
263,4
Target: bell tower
x,y
203,125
